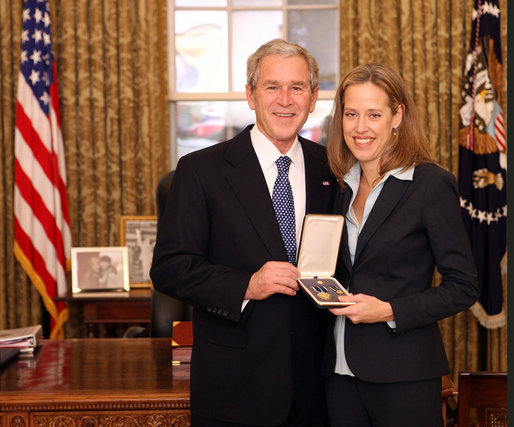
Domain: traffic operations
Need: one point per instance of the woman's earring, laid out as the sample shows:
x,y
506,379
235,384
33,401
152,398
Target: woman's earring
x,y
395,131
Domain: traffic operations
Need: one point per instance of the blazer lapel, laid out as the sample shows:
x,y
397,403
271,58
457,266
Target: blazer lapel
x,y
389,196
341,204
249,185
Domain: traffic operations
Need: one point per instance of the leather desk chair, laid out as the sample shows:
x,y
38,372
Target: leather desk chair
x,y
166,309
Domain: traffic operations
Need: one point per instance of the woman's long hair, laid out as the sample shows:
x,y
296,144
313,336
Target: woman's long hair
x,y
407,148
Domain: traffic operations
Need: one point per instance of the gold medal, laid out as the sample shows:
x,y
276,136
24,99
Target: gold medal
x,y
324,296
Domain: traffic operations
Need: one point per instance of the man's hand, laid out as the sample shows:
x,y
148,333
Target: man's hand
x,y
274,277
367,309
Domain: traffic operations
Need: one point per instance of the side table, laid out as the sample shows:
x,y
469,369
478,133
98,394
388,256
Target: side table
x,y
134,308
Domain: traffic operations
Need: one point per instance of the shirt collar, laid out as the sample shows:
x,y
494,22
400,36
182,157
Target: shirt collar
x,y
404,175
353,177
268,153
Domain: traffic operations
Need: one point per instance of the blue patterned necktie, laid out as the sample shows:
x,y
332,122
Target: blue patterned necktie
x,y
283,203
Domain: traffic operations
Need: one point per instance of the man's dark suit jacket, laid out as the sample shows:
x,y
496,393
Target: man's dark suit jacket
x,y
217,229
412,226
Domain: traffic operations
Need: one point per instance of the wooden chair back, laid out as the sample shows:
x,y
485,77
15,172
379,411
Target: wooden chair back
x,y
487,392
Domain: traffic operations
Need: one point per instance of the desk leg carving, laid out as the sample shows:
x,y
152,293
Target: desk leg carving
x,y
18,421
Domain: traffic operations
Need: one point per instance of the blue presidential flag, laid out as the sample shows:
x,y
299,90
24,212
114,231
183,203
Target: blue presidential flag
x,y
482,160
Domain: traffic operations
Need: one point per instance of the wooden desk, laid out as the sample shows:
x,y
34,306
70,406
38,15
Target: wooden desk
x,y
132,309
96,382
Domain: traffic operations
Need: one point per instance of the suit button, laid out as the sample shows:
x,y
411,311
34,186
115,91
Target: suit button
x,y
225,313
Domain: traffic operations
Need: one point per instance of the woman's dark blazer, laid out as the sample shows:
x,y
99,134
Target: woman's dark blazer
x,y
413,227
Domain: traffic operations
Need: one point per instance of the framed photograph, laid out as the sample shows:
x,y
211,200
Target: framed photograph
x,y
138,234
99,269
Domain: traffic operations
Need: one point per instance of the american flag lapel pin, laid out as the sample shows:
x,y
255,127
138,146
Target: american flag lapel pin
x,y
325,183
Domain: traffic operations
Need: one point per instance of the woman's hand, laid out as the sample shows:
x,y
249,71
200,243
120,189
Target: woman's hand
x,y
366,309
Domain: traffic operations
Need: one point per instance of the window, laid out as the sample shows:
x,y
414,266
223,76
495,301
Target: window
x,y
209,43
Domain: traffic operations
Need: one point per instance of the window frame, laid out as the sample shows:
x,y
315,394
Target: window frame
x,y
175,97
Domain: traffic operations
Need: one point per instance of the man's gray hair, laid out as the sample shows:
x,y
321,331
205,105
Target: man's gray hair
x,y
284,49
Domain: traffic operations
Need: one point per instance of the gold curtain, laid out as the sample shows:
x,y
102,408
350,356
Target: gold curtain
x,y
111,62
111,59
427,42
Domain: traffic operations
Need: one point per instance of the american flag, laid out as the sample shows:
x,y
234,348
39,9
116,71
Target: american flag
x,y
482,161
41,220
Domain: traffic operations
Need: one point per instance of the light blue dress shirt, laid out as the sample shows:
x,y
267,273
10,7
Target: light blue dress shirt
x,y
353,229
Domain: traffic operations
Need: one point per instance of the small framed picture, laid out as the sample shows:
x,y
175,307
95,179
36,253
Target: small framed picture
x,y
99,269
138,234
